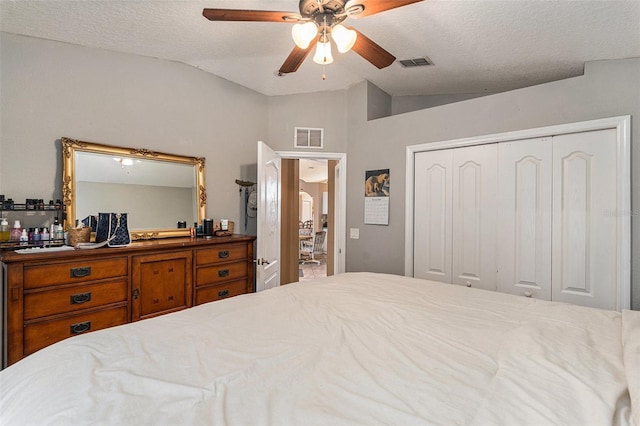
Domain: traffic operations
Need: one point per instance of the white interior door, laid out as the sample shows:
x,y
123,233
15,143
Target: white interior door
x,y
585,237
474,216
433,204
590,209
268,223
524,217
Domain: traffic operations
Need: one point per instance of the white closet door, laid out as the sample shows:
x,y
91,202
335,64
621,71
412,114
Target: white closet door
x,y
584,219
474,216
524,217
432,215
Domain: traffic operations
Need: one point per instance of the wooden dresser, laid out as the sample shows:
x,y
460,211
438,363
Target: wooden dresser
x,y
50,296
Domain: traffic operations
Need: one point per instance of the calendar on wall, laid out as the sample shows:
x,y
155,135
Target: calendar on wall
x,y
376,197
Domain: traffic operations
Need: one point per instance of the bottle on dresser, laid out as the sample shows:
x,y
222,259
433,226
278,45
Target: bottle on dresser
x,y
16,231
45,235
24,237
56,232
5,234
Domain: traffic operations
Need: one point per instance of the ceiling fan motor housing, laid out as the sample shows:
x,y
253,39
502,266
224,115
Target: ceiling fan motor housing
x,y
310,8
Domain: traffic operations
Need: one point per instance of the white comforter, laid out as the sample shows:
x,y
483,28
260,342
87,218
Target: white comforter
x,y
358,348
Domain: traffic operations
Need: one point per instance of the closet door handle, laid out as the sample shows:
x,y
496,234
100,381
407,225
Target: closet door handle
x,y
80,327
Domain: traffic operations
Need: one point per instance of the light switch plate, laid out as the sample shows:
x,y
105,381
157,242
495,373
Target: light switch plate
x,y
354,233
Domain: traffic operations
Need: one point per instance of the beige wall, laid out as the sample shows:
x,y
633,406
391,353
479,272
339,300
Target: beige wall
x,y
147,207
315,191
608,89
51,89
326,110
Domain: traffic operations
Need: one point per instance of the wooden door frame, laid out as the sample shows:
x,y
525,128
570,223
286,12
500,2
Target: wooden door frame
x,y
289,240
340,202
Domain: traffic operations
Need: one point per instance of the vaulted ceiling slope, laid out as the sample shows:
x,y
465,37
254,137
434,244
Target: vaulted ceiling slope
x,y
477,46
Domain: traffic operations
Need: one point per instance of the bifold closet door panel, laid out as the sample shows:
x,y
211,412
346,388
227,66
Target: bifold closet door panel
x,y
584,219
474,216
433,215
524,217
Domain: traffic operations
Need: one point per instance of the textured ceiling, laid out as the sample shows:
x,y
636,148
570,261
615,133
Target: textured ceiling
x,y
477,46
313,170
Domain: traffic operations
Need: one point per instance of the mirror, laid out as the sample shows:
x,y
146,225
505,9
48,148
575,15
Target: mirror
x,y
156,190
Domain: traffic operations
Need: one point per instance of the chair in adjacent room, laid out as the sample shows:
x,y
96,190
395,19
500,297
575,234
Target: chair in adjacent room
x,y
309,248
318,244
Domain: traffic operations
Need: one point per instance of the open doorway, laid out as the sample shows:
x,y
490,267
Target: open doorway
x,y
329,219
278,197
313,211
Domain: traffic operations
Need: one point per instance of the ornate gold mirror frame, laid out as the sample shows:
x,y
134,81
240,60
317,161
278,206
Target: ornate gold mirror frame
x,y
72,147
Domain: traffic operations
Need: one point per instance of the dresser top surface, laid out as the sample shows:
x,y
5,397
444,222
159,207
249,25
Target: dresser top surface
x,y
145,246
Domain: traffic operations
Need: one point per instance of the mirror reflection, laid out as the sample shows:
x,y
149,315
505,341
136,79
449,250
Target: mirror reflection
x,y
156,190
155,194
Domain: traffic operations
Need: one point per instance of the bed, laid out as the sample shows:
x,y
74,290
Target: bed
x,y
356,348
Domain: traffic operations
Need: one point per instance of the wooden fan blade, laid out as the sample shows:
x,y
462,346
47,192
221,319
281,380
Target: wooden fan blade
x,y
296,58
371,51
371,7
249,15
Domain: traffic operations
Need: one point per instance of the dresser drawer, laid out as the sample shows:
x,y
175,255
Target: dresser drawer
x,y
69,299
74,272
221,254
41,334
218,292
220,273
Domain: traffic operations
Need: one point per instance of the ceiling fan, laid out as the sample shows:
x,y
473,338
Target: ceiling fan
x,y
319,22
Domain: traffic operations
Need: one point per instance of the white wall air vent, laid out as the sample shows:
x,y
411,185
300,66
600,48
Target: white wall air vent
x,y
306,137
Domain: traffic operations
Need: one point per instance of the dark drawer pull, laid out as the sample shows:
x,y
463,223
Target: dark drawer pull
x,y
80,272
79,298
80,327
223,254
223,293
223,273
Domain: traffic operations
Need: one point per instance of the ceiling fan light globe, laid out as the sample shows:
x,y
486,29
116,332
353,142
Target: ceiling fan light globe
x,y
344,38
303,34
323,53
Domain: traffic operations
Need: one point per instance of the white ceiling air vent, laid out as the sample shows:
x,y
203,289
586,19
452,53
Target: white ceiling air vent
x,y
417,62
306,137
